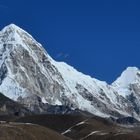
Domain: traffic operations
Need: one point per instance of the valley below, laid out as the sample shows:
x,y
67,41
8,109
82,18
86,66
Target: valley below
x,y
65,127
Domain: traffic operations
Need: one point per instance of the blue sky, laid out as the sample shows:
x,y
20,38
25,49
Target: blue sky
x,y
98,37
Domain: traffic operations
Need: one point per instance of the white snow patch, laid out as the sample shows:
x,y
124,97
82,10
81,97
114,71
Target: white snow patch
x,y
44,100
57,102
11,89
92,133
67,131
70,129
81,123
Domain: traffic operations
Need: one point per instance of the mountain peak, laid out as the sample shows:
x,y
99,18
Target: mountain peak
x,y
131,69
14,34
12,27
128,76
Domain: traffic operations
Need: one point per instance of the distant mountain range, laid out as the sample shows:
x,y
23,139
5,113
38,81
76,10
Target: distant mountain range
x,y
30,77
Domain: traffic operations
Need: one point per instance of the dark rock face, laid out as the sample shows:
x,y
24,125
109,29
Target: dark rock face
x,y
84,92
127,121
3,72
9,107
35,104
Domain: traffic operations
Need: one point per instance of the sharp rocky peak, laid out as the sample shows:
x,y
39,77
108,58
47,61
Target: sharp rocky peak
x,y
12,26
10,30
13,33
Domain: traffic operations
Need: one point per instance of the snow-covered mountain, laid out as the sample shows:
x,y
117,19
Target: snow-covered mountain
x,y
130,76
30,76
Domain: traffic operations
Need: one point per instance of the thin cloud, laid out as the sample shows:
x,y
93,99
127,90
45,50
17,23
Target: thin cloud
x,y
62,55
59,55
66,55
3,7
